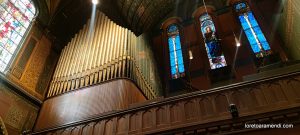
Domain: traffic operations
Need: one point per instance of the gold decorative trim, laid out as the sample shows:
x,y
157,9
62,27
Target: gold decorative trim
x,y
2,127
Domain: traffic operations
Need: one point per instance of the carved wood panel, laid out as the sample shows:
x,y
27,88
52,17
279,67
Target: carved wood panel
x,y
172,114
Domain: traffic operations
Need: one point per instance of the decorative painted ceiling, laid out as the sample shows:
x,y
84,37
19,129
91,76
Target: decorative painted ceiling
x,y
140,15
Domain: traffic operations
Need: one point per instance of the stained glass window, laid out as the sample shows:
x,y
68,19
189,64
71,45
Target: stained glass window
x,y
213,49
256,38
15,18
176,59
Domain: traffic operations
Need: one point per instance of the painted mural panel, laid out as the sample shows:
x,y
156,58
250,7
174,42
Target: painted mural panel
x,y
17,113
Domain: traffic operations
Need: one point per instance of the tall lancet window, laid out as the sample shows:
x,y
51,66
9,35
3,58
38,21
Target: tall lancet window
x,y
176,59
213,49
257,40
15,18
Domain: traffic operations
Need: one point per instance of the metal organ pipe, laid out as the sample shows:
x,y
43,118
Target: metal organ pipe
x,y
108,52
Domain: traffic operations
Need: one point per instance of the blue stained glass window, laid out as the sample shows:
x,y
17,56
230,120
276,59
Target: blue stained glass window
x,y
15,18
252,19
173,70
255,36
176,59
181,68
213,49
265,45
240,6
244,22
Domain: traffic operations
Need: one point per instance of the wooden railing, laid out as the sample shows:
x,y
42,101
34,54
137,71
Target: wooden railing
x,y
263,96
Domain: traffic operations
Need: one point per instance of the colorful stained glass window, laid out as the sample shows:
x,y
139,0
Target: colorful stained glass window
x,y
256,38
15,18
176,59
213,49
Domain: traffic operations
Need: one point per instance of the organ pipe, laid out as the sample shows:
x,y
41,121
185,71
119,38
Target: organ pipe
x,y
107,51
